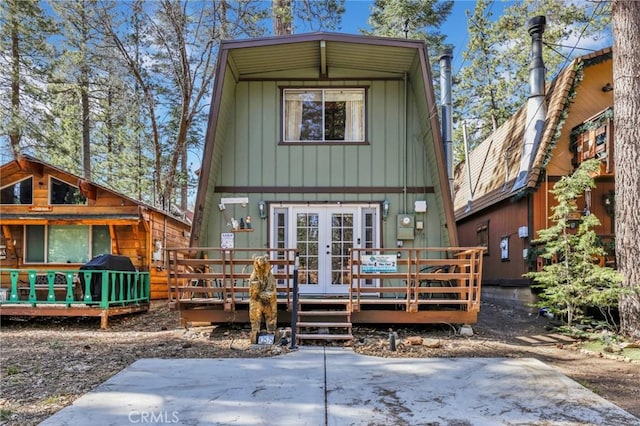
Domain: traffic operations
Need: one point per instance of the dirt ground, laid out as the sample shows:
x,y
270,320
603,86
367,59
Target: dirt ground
x,y
47,363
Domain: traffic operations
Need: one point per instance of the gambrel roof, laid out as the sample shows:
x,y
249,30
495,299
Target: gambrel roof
x,y
494,163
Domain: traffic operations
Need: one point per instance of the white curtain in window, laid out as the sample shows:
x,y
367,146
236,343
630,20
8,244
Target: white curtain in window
x,y
354,122
293,119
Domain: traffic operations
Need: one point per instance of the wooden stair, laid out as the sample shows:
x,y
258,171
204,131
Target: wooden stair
x,y
323,320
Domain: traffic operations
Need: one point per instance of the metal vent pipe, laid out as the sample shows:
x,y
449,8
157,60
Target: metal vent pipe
x,y
446,111
536,105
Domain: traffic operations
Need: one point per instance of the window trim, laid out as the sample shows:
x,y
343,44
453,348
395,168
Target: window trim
x,y
45,245
14,183
364,141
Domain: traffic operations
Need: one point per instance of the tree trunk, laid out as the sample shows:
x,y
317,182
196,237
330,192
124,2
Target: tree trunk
x,y
14,129
184,193
84,94
282,17
626,75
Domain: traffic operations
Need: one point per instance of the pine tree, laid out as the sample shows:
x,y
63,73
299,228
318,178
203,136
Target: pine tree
x,y
26,58
573,280
308,15
78,68
417,19
493,81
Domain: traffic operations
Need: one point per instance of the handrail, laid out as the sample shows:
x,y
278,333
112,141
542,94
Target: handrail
x,y
221,269
413,275
105,288
422,276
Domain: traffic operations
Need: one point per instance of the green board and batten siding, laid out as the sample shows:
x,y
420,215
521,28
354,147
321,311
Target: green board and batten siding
x,y
246,151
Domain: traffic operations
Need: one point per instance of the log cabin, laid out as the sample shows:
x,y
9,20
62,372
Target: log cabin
x,y
55,221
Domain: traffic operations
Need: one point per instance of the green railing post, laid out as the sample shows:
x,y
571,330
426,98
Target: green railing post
x,y
136,284
70,296
32,288
87,286
104,296
14,285
147,285
51,279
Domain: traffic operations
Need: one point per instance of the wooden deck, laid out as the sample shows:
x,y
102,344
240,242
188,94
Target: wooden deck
x,y
68,293
427,285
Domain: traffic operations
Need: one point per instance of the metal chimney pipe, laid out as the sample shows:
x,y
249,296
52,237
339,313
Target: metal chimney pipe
x,y
536,27
536,105
446,110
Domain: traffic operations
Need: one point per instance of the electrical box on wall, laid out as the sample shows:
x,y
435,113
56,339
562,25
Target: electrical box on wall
x,y
420,206
406,226
523,232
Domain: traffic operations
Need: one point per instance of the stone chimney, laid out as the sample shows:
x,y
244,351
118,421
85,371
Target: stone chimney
x,y
536,105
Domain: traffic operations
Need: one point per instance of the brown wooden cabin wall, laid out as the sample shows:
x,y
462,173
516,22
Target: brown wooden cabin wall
x,y
544,201
9,234
171,233
503,220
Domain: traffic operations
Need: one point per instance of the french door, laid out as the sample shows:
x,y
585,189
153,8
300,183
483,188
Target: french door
x,y
323,236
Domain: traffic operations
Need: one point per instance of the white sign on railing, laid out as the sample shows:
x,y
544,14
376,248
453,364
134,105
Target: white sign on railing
x,y
379,263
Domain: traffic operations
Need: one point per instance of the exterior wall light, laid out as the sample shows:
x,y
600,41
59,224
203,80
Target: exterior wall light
x,y
608,201
262,209
385,209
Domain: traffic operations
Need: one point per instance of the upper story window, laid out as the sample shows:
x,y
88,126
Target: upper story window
x,y
324,115
63,193
20,192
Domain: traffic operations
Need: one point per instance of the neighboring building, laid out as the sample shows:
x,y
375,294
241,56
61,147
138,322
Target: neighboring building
x,y
502,205
52,219
324,143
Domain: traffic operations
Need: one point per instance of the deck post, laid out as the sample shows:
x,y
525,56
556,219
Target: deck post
x,y
104,319
294,309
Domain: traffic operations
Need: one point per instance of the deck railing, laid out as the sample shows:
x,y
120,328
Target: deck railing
x,y
446,277
103,288
216,275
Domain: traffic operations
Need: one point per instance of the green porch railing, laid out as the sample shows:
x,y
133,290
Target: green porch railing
x,y
102,288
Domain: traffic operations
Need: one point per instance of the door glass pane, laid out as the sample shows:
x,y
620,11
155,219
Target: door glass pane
x,y
307,239
369,235
280,237
68,244
35,243
342,242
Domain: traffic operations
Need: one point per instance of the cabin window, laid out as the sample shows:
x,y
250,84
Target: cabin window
x,y
482,236
20,192
65,243
504,248
63,193
323,115
594,139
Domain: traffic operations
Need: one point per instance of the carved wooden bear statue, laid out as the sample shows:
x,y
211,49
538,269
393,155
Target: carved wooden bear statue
x,y
263,297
